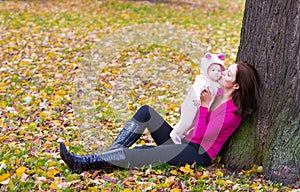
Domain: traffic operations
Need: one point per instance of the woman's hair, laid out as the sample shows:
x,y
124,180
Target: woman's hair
x,y
248,94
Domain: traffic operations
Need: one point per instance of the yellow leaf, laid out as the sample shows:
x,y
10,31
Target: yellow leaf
x,y
204,176
127,190
187,169
45,114
220,173
104,190
56,122
172,106
70,115
53,186
221,182
40,172
51,163
3,104
23,63
48,156
52,172
254,186
4,137
92,189
20,171
4,176
61,92
31,172
112,175
170,181
158,172
130,106
175,190
174,172
143,143
248,173
24,126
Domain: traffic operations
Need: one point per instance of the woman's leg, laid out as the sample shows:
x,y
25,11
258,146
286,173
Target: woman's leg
x,y
159,129
124,157
172,154
145,117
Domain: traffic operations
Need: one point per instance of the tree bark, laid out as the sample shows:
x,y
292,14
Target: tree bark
x,y
270,41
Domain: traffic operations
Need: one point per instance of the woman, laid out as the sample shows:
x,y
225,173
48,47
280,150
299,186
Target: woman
x,y
215,123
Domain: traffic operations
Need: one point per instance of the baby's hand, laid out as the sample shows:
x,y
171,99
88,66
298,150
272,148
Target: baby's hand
x,y
197,103
176,139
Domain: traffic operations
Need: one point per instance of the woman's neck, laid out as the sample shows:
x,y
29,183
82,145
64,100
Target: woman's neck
x,y
226,94
222,98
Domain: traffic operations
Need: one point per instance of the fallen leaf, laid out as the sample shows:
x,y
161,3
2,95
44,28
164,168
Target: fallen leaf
x,y
176,190
53,186
187,169
170,181
92,189
51,172
20,171
174,172
4,176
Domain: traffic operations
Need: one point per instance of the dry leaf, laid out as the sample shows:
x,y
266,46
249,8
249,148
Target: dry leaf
x,y
20,171
187,169
4,176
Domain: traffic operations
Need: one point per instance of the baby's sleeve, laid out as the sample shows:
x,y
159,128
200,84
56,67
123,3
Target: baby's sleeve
x,y
199,85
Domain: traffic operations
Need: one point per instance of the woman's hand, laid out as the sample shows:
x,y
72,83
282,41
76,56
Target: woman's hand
x,y
205,97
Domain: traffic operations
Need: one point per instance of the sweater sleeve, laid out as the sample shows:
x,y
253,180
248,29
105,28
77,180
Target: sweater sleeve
x,y
213,133
200,124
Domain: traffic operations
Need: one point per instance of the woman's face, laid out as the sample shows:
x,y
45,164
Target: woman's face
x,y
228,77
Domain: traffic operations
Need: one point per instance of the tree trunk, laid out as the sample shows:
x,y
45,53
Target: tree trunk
x,y
270,41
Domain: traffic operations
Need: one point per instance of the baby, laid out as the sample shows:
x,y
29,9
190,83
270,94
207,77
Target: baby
x,y
212,66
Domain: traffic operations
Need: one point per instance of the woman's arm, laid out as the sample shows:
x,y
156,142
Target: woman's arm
x,y
200,124
221,124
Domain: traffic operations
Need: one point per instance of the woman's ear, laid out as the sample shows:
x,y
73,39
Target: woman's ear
x,y
236,86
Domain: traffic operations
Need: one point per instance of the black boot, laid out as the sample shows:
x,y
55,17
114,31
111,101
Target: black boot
x,y
131,132
106,160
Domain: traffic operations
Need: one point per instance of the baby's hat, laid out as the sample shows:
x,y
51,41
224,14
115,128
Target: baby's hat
x,y
209,59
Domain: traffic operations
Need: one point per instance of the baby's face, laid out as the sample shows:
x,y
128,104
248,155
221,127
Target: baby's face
x,y
214,72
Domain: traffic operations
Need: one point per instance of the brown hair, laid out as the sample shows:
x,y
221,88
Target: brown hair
x,y
248,94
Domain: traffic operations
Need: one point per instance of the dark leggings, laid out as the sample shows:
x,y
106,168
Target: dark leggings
x,y
159,129
165,151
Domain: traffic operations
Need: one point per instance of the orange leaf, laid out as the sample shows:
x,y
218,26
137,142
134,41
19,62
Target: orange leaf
x,y
4,176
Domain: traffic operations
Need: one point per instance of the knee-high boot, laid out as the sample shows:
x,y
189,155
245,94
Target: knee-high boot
x,y
131,132
106,160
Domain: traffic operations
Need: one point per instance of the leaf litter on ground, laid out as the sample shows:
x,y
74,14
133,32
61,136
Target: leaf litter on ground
x,y
74,71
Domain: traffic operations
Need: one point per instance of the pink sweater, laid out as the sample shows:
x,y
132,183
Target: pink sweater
x,y
212,129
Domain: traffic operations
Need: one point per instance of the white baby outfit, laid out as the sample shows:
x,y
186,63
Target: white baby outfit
x,y
190,105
